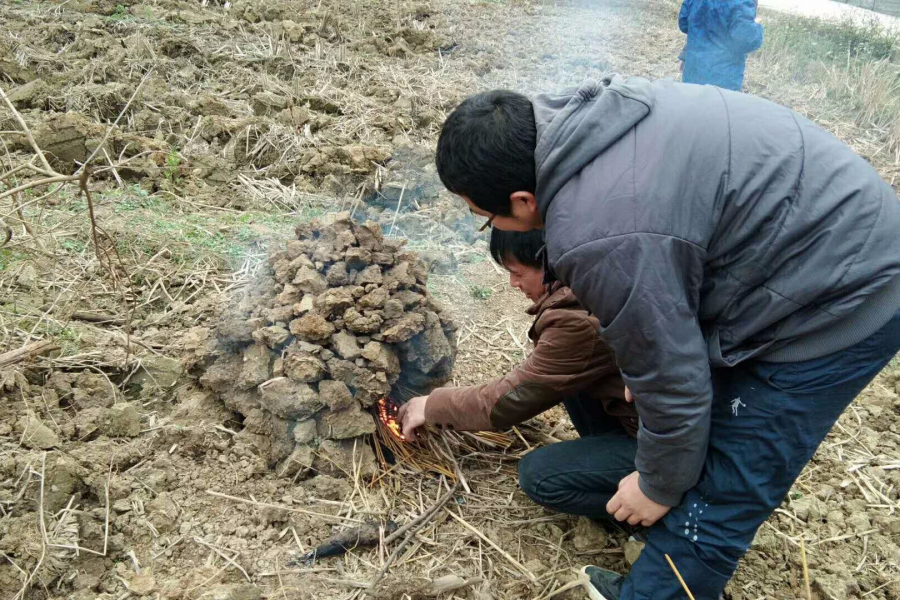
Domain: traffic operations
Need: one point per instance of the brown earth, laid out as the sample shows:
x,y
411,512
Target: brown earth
x,y
256,116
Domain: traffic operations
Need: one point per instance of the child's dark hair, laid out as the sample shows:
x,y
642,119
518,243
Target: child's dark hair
x,y
521,246
486,149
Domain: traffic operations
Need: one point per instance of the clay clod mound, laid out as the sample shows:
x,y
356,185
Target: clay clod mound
x,y
339,316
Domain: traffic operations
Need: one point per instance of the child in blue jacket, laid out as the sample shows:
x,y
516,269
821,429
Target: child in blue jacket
x,y
720,35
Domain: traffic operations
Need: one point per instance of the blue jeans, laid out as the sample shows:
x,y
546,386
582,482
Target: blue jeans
x,y
767,421
579,477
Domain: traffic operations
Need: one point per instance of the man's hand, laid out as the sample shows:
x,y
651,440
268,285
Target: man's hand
x,y
629,397
630,504
412,416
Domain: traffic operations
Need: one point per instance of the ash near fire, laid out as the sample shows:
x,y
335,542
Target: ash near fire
x,y
338,319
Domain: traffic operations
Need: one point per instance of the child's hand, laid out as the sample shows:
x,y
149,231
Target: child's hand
x,y
412,416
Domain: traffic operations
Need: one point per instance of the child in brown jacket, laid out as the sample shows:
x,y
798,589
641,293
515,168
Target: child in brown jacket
x,y
570,364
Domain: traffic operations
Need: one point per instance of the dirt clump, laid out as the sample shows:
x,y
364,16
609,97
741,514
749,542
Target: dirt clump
x,y
37,435
233,592
338,317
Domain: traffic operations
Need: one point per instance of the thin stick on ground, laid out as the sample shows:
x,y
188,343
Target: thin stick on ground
x,y
493,545
397,212
805,569
284,508
43,526
224,556
680,580
26,131
82,182
77,548
25,352
18,208
16,204
109,130
412,528
581,580
209,579
280,581
38,183
424,517
883,585
13,563
451,583
106,519
459,474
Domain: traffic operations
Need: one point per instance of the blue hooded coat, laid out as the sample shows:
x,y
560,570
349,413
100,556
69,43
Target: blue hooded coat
x,y
720,35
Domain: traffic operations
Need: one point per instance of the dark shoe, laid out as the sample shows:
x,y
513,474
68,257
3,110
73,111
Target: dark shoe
x,y
603,585
631,531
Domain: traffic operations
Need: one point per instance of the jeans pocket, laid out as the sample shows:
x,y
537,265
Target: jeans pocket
x,y
860,362
817,375
792,378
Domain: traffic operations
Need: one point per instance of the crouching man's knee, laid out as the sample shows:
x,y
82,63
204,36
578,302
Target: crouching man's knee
x,y
530,475
536,478
555,477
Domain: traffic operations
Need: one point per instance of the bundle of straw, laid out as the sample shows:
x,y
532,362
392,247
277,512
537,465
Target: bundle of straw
x,y
434,451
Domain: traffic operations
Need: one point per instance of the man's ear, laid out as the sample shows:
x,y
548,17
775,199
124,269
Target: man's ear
x,y
525,204
526,198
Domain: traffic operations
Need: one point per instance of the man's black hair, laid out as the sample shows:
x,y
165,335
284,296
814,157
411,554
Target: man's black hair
x,y
486,149
521,246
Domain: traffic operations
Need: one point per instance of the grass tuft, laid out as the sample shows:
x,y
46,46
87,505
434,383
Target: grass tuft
x,y
807,41
8,257
854,67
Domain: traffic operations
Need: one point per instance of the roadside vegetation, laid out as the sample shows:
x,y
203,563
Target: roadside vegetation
x,y
849,72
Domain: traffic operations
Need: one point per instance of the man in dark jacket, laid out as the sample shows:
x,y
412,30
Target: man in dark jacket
x,y
720,35
743,264
570,365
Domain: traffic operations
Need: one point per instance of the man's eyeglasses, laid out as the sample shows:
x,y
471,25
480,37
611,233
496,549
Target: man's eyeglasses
x,y
487,223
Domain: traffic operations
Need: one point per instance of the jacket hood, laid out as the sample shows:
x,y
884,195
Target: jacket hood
x,y
575,126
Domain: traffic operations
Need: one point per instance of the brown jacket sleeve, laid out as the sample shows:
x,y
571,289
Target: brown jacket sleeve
x,y
567,358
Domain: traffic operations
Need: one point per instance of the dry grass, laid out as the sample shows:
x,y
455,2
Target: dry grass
x,y
849,72
435,451
870,91
462,539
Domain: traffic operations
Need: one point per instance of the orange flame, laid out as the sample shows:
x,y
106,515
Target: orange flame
x,y
387,412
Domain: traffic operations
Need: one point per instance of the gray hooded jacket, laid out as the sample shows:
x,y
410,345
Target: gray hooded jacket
x,y
703,228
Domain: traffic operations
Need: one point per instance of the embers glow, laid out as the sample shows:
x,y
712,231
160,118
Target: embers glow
x,y
387,412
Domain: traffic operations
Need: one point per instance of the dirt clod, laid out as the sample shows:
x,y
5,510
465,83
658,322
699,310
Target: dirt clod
x,y
233,592
37,435
589,535
122,420
289,399
158,371
337,457
142,583
633,550
348,423
312,328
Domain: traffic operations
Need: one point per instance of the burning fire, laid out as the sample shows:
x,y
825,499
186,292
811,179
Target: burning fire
x,y
387,412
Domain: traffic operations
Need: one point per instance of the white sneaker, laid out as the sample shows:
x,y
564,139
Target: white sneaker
x,y
602,584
